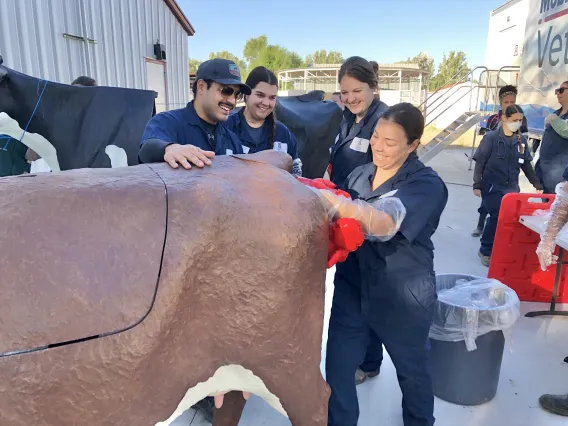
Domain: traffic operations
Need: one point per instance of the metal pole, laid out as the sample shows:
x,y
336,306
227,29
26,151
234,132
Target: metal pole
x,y
87,55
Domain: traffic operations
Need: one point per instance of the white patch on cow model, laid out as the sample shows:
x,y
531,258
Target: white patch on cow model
x,y
34,141
117,155
226,379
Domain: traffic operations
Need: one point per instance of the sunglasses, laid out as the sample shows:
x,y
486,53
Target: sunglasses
x,y
228,91
559,91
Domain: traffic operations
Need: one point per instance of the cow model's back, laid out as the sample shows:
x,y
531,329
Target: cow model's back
x,y
130,294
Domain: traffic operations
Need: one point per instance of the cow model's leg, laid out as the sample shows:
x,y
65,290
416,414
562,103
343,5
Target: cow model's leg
x,y
230,412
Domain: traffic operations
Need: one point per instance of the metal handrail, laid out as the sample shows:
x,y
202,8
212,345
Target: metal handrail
x,y
512,68
447,95
507,68
452,104
452,78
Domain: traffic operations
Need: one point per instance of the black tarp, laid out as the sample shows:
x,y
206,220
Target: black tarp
x,y
80,122
315,123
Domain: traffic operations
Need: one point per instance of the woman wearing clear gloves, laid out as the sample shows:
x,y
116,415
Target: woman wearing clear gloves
x,y
556,404
387,287
499,159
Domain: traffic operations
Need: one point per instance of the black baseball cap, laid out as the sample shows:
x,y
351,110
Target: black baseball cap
x,y
222,71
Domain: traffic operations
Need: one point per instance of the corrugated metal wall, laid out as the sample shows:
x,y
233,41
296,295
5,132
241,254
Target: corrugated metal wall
x,y
32,41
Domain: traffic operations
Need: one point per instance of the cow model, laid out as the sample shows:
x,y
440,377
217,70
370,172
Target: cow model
x,y
73,127
129,294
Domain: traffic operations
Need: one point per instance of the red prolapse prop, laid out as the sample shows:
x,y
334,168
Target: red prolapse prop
x,y
345,234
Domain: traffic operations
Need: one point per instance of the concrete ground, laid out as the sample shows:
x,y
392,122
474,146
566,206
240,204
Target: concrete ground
x,y
533,360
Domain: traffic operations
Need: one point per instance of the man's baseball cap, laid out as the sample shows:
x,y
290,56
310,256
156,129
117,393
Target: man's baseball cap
x,y
222,71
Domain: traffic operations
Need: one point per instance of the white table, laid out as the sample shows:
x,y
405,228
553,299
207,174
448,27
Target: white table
x,y
538,225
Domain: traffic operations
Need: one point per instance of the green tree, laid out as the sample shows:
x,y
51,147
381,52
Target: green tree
x,y
424,62
452,69
324,57
253,47
193,65
257,52
228,55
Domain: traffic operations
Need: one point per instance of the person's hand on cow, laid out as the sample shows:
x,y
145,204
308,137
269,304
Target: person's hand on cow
x,y
186,155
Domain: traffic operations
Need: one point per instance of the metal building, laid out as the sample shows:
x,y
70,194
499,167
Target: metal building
x,y
397,82
138,44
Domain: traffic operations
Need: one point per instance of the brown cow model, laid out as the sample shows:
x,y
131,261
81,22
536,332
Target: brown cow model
x,y
129,294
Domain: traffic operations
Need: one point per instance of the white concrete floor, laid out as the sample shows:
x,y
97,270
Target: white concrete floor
x,y
533,360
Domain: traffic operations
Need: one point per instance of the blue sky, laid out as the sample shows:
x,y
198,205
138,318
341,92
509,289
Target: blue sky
x,y
383,30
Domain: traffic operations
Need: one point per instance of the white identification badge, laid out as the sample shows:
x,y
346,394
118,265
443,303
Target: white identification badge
x,y
522,160
360,145
246,149
388,194
280,147
229,152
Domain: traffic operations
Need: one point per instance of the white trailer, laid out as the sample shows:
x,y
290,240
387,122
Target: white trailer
x,y
544,61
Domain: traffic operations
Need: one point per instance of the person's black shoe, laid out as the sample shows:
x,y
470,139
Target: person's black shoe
x,y
477,232
555,404
206,407
361,376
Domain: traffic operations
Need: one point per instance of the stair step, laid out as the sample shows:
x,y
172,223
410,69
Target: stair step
x,y
448,135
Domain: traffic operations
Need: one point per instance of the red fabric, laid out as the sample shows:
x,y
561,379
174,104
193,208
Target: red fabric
x,y
345,234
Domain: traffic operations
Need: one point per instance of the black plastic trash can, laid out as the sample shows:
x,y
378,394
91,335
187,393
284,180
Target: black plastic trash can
x,y
467,337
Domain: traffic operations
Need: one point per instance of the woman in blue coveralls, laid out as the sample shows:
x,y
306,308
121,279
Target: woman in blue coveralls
x,y
387,288
501,154
358,83
255,124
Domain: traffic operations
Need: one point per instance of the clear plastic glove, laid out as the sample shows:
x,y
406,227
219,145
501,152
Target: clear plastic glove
x,y
558,218
548,119
297,167
379,220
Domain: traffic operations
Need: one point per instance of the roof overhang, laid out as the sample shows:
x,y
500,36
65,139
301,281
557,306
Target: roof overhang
x,y
180,16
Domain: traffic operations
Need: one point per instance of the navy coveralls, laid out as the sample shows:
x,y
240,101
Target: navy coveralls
x,y
352,147
183,126
498,161
388,290
284,140
553,158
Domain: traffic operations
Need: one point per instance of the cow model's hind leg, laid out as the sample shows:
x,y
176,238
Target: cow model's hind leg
x,y
230,412
304,394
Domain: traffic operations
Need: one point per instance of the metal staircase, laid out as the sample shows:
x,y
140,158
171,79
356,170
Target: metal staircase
x,y
447,136
488,82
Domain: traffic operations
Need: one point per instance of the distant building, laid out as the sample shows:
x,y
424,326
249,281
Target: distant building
x,y
397,82
138,44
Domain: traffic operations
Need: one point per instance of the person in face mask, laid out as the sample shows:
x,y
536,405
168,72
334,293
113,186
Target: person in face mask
x,y
499,159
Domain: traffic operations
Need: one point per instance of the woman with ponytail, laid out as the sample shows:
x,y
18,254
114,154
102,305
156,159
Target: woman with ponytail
x,y
256,124
499,159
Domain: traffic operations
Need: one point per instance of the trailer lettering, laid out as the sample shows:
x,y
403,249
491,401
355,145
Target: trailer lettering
x,y
566,50
553,47
546,5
